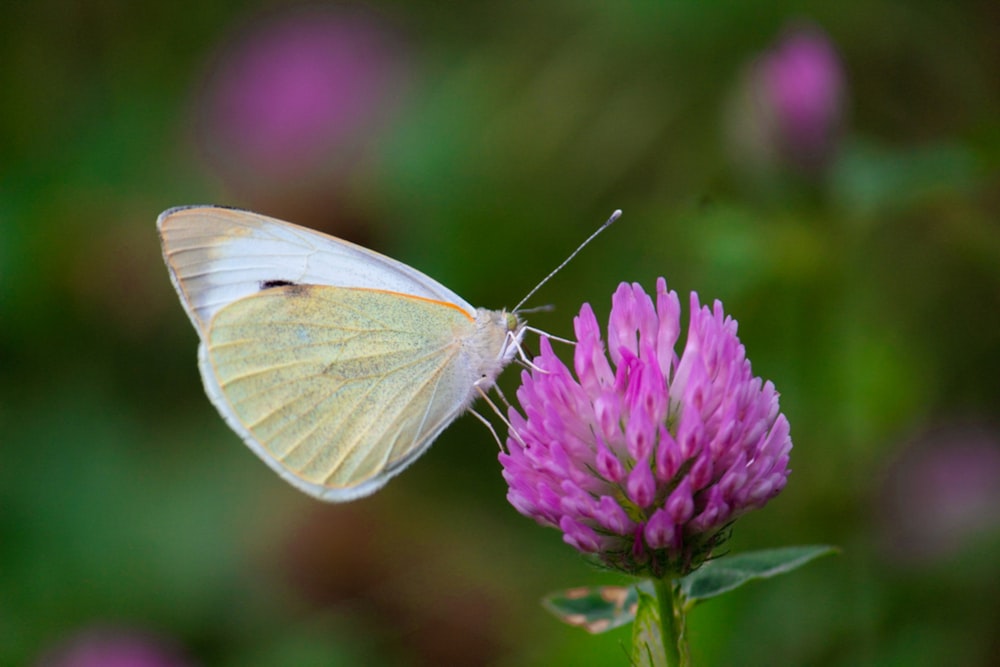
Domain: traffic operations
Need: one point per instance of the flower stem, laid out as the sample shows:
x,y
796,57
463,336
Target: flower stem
x,y
673,610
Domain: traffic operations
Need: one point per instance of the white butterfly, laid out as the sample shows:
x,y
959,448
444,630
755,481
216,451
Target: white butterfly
x,y
337,366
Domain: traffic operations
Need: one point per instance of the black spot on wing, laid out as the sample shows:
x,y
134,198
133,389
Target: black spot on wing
x,y
288,287
270,284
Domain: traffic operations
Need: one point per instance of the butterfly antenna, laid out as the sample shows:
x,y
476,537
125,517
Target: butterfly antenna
x,y
614,216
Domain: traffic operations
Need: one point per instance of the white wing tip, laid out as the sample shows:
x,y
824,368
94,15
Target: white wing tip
x,y
187,207
160,219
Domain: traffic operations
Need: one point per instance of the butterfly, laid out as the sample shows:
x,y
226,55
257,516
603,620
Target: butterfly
x,y
336,365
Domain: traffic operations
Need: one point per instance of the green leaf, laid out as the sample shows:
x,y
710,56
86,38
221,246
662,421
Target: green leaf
x,y
728,572
596,609
647,639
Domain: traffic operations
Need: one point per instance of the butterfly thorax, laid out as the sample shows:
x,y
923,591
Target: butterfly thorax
x,y
498,337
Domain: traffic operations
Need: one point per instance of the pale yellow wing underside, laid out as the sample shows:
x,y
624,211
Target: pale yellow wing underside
x,y
338,388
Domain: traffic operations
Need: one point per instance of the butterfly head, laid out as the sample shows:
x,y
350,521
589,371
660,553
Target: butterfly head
x,y
515,328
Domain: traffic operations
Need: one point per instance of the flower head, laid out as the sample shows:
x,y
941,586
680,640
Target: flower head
x,y
803,82
300,94
643,457
941,494
113,647
790,103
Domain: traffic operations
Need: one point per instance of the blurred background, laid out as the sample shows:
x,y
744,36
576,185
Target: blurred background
x,y
830,172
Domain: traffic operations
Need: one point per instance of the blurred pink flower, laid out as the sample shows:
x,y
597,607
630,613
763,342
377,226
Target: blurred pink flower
x,y
941,494
792,102
300,95
113,647
643,460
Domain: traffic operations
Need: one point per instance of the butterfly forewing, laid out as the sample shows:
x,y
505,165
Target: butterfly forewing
x,y
218,255
339,386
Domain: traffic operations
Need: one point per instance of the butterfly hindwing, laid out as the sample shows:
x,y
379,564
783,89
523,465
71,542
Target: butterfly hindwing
x,y
338,388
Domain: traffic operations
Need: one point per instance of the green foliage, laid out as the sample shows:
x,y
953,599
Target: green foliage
x,y
598,609
726,573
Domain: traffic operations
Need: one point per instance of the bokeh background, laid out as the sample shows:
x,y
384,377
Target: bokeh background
x,y
828,170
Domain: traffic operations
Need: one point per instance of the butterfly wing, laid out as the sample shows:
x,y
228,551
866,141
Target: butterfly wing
x,y
337,389
338,366
219,255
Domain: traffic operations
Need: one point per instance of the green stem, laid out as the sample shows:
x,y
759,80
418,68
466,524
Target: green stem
x,y
673,610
